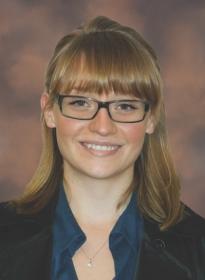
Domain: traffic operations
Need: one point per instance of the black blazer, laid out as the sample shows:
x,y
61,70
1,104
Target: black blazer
x,y
176,254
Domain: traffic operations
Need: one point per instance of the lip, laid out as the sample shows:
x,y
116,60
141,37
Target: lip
x,y
112,148
101,143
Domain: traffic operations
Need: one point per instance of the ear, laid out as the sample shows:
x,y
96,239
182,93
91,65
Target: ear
x,y
47,110
150,126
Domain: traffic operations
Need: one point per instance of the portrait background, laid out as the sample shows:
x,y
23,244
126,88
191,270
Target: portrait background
x,y
29,31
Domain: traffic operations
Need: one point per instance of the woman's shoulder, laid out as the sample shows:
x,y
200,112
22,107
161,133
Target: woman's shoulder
x,y
13,229
9,218
7,213
14,225
192,222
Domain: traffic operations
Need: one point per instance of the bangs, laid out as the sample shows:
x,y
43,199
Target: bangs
x,y
103,62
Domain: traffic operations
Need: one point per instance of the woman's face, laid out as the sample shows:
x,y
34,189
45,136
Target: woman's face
x,y
99,148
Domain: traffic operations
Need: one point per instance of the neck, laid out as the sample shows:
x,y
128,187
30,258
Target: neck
x,y
94,201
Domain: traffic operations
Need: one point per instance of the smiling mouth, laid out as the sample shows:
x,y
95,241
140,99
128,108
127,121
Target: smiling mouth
x,y
97,147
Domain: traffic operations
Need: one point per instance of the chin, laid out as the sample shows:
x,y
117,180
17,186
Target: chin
x,y
100,175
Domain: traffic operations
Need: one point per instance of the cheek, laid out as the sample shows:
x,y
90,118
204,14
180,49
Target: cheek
x,y
66,127
67,131
64,133
62,128
135,134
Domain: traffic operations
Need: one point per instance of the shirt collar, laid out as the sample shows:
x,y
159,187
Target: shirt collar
x,y
67,234
129,225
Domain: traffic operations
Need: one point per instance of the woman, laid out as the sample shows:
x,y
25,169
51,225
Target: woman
x,y
104,202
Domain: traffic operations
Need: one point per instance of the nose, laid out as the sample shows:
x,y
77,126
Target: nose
x,y
102,123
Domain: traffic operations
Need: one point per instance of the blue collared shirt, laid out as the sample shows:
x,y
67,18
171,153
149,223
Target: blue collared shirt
x,y
124,241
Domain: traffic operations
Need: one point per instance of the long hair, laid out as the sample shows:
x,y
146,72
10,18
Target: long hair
x,y
104,56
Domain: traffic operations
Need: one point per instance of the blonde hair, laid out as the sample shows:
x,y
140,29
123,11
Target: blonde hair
x,y
104,56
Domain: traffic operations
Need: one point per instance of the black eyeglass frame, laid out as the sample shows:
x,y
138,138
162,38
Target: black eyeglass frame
x,y
101,104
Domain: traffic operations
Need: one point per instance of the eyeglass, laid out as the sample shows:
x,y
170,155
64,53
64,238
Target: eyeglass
x,y
86,108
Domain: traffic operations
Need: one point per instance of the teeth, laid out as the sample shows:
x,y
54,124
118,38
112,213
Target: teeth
x,y
100,147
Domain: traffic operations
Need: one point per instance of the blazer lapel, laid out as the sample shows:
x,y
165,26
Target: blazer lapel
x,y
156,262
163,255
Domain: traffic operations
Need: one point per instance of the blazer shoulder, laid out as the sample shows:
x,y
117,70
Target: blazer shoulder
x,y
13,222
191,223
7,212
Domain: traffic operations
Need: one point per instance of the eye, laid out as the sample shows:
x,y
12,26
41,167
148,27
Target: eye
x,y
81,103
126,106
78,103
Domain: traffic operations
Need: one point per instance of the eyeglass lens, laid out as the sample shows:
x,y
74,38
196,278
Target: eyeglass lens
x,y
86,108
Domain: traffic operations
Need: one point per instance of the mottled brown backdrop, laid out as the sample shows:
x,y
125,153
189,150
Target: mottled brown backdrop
x,y
30,29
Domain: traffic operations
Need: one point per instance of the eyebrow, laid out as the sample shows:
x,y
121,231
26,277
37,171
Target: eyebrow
x,y
118,96
93,96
